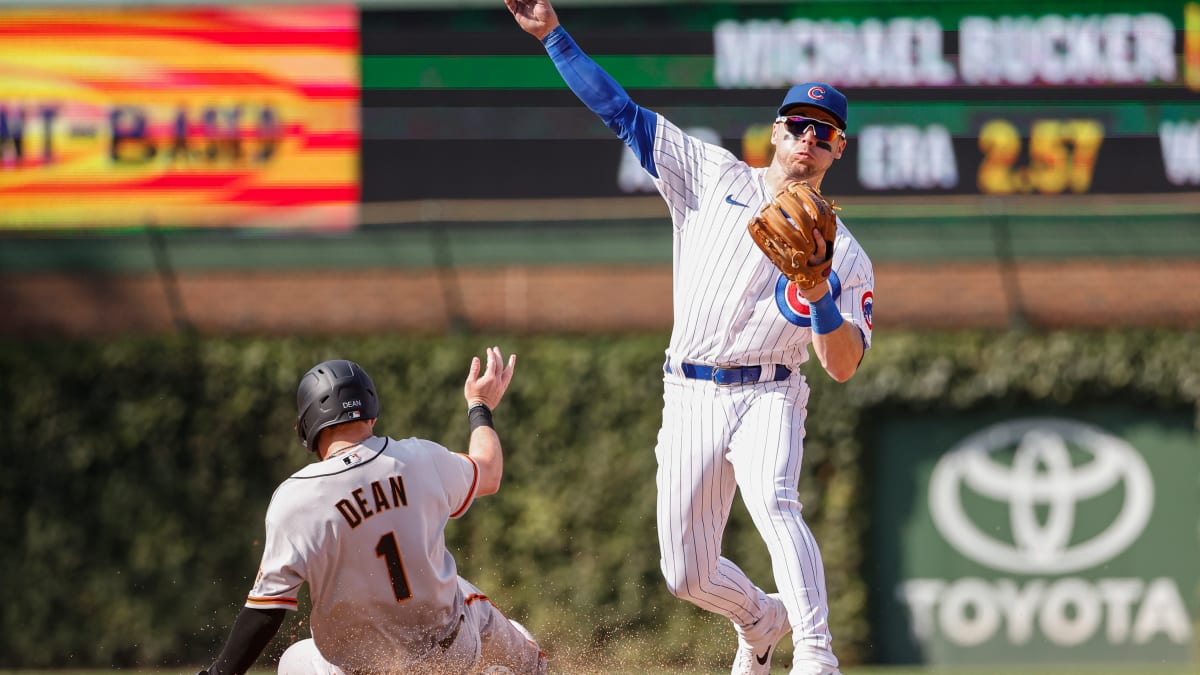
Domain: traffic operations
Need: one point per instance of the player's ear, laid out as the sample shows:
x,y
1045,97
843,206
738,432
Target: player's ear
x,y
840,147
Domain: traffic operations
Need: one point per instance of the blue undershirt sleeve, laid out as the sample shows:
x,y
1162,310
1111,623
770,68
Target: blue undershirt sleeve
x,y
604,96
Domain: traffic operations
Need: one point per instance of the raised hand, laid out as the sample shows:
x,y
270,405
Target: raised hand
x,y
489,388
535,17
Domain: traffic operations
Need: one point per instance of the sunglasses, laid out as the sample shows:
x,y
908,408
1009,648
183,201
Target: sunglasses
x,y
798,126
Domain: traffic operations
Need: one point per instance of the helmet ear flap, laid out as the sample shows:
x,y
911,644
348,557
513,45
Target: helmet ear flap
x,y
300,431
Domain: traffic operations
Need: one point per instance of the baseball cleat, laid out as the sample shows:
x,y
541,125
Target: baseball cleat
x,y
754,655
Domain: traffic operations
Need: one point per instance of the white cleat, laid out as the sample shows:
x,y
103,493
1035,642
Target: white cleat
x,y
754,656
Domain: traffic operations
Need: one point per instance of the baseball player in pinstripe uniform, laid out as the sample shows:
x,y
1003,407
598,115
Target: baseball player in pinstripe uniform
x,y
364,526
734,398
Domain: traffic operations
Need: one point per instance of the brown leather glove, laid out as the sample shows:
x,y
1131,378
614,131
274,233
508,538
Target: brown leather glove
x,y
783,230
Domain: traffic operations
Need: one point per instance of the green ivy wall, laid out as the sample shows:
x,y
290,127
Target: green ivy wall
x,y
136,473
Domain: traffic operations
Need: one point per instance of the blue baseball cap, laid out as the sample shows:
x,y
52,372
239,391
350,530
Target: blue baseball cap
x,y
818,95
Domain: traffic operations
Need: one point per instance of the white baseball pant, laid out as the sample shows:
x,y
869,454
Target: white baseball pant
x,y
714,441
487,642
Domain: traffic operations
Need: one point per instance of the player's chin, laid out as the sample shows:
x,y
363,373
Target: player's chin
x,y
803,170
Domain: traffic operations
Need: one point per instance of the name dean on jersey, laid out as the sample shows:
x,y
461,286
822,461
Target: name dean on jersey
x,y
358,507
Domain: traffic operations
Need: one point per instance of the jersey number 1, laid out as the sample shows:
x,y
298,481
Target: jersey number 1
x,y
390,552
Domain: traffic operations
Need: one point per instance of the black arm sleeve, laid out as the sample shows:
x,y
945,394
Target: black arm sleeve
x,y
250,634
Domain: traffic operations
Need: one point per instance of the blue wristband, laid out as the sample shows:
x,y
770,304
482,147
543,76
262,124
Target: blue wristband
x,y
825,315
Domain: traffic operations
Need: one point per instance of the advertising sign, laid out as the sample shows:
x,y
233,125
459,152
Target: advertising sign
x,y
1068,539
234,116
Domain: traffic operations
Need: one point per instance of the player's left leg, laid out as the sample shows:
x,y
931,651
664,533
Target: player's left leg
x,y
767,452
505,645
303,658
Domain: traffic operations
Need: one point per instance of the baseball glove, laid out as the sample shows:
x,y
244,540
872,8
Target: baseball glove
x,y
783,230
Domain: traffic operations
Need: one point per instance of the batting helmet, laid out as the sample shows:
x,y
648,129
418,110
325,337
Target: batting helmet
x,y
331,393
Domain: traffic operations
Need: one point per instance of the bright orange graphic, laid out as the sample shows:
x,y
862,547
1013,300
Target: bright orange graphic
x,y
1191,45
184,117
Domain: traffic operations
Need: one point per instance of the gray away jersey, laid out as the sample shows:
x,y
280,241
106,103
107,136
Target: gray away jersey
x,y
365,530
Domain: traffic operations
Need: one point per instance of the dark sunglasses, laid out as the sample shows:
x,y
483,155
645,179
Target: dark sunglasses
x,y
798,126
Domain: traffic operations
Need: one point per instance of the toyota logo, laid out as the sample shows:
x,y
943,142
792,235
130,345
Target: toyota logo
x,y
1056,466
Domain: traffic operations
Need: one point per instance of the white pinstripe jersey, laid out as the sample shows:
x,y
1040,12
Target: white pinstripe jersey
x,y
365,529
732,306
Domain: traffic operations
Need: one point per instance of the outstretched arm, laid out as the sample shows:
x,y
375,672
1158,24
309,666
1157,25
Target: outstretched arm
x,y
486,391
597,89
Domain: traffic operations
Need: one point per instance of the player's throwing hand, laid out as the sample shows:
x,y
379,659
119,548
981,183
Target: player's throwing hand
x,y
536,17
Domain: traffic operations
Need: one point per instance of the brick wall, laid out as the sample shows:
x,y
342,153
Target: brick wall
x,y
1047,294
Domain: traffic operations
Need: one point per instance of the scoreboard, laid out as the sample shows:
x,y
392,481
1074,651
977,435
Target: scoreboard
x,y
1031,97
285,117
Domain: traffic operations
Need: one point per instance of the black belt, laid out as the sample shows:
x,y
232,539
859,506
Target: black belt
x,y
730,375
445,642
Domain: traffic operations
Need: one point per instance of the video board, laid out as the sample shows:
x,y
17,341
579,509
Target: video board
x,y
179,117
1032,97
287,116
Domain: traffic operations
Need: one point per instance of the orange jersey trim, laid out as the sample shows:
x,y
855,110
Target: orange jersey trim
x,y
479,597
471,492
255,601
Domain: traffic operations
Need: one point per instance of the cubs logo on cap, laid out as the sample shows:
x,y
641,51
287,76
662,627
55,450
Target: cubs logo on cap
x,y
818,95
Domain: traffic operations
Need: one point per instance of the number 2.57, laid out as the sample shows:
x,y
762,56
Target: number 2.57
x,y
1062,156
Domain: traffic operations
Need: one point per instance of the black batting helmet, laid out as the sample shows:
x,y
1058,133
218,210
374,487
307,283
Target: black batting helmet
x,y
331,393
